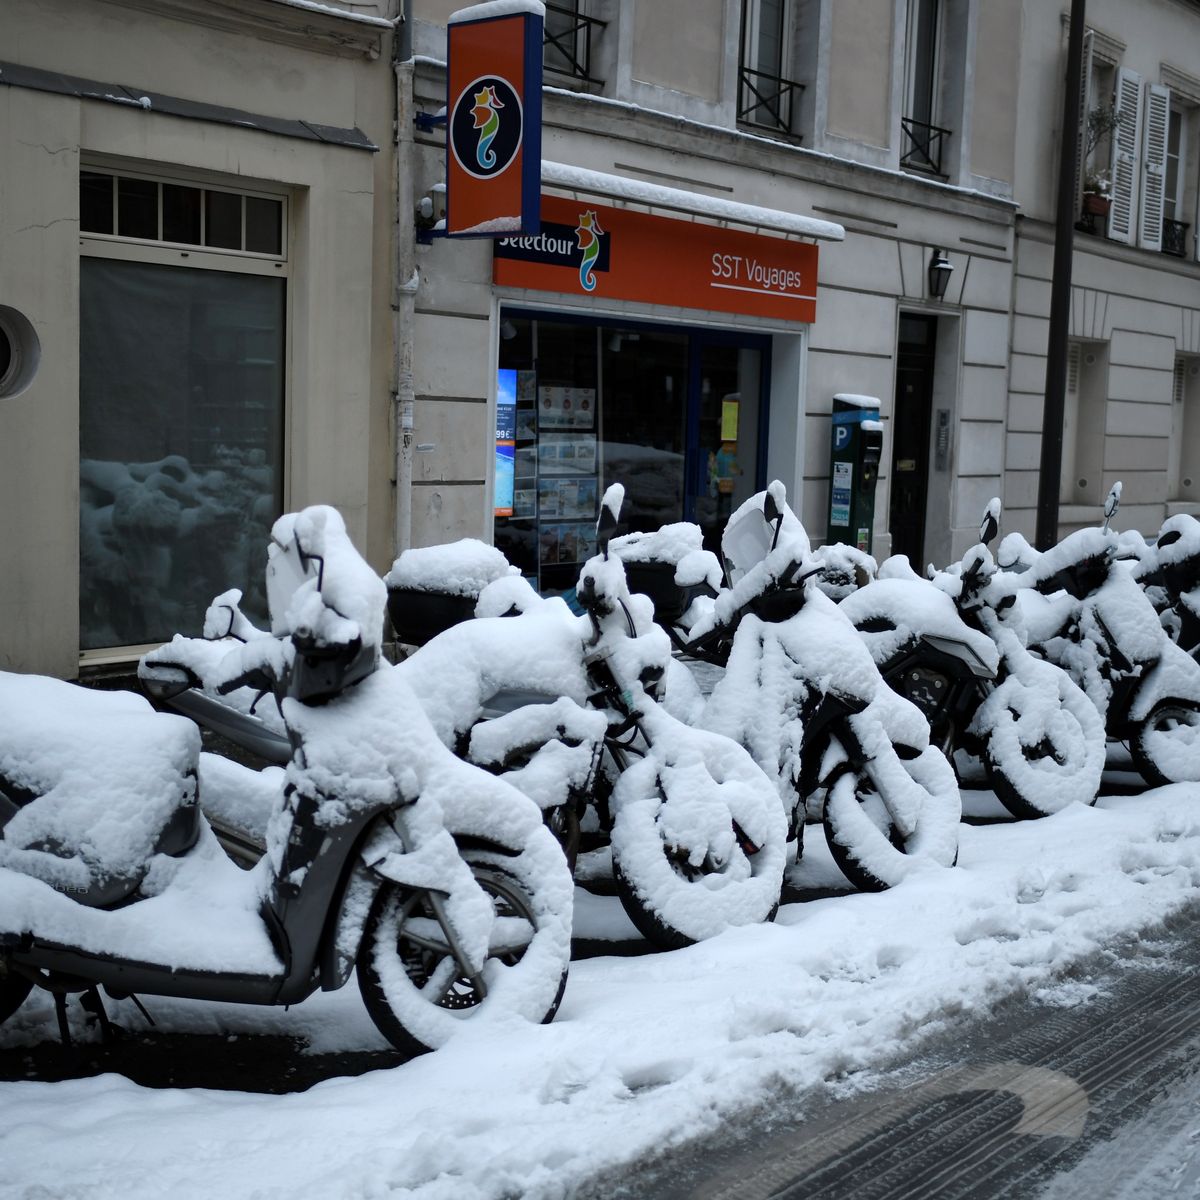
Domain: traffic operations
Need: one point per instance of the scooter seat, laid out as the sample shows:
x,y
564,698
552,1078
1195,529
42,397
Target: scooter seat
x,y
92,785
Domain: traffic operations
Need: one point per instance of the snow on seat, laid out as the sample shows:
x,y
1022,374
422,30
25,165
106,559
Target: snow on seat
x,y
93,777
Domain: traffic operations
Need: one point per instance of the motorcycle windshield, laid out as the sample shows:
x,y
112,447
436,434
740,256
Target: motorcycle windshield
x,y
288,569
745,542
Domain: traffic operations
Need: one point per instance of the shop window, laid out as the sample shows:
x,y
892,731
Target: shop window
x,y
182,369
672,414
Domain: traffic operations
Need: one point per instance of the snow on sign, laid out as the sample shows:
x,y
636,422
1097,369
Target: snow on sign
x,y
494,119
618,253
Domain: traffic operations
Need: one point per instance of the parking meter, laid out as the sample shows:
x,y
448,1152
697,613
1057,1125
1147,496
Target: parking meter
x,y
855,445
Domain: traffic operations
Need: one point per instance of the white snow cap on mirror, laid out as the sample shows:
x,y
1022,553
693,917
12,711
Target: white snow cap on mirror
x,y
990,525
614,497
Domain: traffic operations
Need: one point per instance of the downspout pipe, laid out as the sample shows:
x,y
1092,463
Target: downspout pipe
x,y
405,283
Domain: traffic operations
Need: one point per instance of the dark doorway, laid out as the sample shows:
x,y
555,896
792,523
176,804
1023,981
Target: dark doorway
x,y
910,435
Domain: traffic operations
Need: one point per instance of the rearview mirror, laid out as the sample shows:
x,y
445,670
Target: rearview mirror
x,y
610,515
1112,502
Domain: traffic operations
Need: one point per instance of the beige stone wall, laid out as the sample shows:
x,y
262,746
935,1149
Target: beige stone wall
x,y
677,44
994,103
860,71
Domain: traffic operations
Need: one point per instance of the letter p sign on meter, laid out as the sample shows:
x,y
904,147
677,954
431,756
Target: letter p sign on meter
x,y
854,450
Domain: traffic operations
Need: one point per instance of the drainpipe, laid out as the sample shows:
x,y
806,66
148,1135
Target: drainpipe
x,y
405,283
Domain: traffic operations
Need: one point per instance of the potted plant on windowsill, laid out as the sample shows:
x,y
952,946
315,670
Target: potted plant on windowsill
x,y
1097,193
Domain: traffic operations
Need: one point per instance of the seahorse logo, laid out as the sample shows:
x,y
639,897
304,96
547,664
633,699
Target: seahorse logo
x,y
588,233
487,121
486,126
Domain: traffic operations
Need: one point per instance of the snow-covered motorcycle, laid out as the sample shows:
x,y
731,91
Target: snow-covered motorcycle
x,y
697,842
385,855
800,690
940,643
1079,606
1168,569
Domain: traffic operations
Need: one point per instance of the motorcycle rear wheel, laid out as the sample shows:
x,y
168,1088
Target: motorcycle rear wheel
x,y
416,992
865,843
673,903
1165,748
1063,765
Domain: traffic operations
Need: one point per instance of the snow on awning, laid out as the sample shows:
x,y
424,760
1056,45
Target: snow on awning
x,y
579,182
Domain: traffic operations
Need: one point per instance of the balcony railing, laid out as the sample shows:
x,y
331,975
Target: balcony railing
x,y
767,100
923,146
1174,237
567,42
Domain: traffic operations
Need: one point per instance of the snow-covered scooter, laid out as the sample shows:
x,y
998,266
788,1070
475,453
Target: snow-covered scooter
x,y
939,643
1079,606
800,690
384,852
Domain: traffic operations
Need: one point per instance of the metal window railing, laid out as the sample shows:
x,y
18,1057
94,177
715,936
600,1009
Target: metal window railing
x,y
567,42
765,99
1174,237
923,146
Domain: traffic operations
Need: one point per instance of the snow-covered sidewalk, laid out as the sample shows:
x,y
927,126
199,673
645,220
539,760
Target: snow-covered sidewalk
x,y
645,1051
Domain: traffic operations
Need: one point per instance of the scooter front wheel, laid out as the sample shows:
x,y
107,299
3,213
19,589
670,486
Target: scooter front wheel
x,y
863,839
1166,746
417,991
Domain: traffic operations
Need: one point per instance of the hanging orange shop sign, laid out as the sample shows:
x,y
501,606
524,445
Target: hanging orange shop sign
x,y
619,254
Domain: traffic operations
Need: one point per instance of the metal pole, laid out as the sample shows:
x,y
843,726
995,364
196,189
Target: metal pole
x,y
1060,292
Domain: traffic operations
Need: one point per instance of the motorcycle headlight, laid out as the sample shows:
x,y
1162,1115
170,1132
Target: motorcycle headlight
x,y
925,688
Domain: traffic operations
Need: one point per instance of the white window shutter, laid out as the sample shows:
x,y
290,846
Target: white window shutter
x,y
1085,80
1126,139
1154,166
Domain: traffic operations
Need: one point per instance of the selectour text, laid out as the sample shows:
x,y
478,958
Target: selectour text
x,y
749,271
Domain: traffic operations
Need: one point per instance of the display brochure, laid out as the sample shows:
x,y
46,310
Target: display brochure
x,y
566,408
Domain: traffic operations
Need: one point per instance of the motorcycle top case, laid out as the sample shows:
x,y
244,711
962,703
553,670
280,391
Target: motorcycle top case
x,y
418,615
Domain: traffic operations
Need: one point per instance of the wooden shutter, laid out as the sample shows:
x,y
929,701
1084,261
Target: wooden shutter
x,y
1154,166
1085,83
1126,139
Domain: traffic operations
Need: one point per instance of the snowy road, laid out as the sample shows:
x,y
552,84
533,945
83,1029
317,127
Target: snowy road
x,y
647,1052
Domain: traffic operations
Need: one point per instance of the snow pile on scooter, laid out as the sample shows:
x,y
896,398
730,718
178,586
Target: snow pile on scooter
x,y
107,772
462,568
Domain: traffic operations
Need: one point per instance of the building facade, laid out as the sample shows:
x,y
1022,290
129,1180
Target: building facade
x,y
1133,388
223,293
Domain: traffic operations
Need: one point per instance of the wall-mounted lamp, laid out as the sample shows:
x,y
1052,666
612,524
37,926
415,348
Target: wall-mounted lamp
x,y
940,270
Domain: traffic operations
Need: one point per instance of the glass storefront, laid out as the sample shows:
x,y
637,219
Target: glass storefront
x,y
180,444
674,414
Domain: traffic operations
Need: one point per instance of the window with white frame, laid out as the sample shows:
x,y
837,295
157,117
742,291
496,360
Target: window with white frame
x,y
182,353
1147,172
766,95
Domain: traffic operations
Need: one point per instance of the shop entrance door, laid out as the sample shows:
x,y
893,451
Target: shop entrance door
x,y
910,435
725,399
